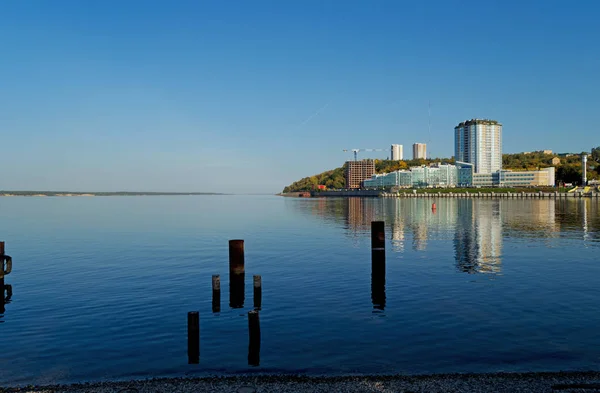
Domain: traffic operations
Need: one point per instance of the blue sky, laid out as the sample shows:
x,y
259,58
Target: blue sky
x,y
248,96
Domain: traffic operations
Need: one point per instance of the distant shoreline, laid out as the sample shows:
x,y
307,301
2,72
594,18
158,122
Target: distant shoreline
x,y
96,194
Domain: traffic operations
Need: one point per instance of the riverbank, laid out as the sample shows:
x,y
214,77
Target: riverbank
x,y
567,382
522,194
447,193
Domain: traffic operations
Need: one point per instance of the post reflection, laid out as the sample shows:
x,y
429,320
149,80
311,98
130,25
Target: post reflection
x,y
5,289
6,292
236,290
378,279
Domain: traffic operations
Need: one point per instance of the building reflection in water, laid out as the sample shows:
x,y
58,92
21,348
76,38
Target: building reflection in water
x,y
476,227
478,236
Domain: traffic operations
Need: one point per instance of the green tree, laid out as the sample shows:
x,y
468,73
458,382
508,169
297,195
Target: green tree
x,y
595,155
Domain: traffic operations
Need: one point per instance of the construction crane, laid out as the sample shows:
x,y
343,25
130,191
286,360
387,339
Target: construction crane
x,y
355,151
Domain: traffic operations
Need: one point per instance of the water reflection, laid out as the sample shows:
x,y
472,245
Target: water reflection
x,y
6,292
478,237
5,289
378,279
477,227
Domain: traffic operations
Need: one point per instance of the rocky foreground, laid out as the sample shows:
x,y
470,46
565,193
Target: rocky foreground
x,y
564,382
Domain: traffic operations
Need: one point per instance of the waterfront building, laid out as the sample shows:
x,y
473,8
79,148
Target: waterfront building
x,y
358,171
419,151
460,175
543,177
438,175
504,178
479,142
397,153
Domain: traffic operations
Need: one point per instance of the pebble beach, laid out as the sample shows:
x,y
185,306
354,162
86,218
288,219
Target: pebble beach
x,y
566,382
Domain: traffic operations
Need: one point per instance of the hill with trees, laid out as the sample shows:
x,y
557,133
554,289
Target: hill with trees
x,y
567,171
334,178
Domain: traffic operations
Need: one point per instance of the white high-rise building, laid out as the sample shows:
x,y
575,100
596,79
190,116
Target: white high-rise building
x,y
419,151
397,153
479,142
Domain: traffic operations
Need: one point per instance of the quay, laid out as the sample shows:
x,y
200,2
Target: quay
x,y
520,195
446,194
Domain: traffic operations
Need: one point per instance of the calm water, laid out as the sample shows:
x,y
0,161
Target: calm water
x,y
102,286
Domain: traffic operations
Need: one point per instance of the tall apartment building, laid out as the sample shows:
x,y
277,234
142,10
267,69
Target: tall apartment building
x,y
397,153
479,142
419,150
358,171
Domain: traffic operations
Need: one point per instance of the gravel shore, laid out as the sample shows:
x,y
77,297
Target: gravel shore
x,y
563,382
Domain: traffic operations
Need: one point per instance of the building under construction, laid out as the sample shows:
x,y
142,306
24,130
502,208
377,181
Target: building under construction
x,y
358,171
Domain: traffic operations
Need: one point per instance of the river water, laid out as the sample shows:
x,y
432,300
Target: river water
x,y
101,286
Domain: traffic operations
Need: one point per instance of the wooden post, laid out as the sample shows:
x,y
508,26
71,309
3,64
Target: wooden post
x,y
378,264
236,256
236,274
2,308
377,235
257,292
5,262
193,337
2,264
216,293
254,339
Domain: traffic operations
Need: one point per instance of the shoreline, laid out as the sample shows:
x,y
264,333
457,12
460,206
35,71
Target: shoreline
x,y
568,381
445,194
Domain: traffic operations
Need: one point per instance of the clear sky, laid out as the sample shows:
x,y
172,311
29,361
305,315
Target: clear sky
x,y
248,96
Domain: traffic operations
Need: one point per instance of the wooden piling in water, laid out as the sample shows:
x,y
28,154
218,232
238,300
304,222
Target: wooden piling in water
x,y
2,308
216,293
236,256
377,235
257,284
254,338
193,337
237,274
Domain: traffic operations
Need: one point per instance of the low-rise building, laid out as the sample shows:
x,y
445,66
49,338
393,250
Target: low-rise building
x,y
505,178
543,177
460,175
438,175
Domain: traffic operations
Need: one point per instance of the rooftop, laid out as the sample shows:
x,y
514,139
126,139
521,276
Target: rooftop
x,y
478,121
